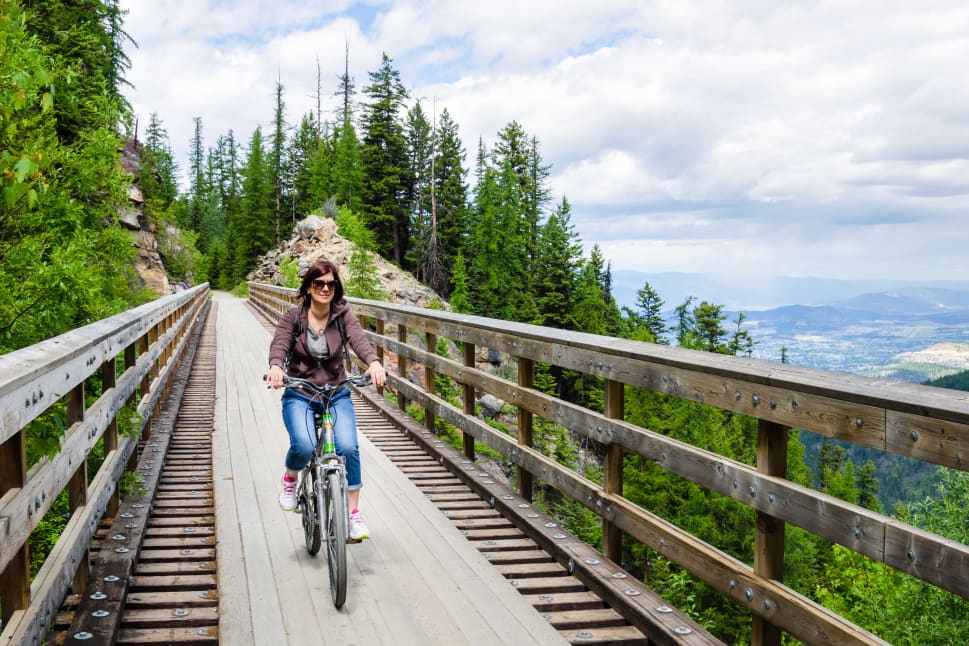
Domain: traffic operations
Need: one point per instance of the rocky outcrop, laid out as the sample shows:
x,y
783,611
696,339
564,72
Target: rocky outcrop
x,y
148,262
316,238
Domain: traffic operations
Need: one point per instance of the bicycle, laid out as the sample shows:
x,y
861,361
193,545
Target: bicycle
x,y
322,488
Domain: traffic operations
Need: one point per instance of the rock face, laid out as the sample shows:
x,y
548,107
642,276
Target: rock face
x,y
316,238
148,262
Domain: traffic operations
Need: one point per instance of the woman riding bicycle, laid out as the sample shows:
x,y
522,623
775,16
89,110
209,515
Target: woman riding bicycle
x,y
309,343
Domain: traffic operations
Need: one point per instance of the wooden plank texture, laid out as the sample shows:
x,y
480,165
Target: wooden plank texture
x,y
416,581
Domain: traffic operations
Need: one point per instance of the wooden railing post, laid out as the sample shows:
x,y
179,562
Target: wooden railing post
x,y
612,470
77,488
15,577
380,349
429,386
468,400
109,377
130,359
769,537
145,384
526,377
401,367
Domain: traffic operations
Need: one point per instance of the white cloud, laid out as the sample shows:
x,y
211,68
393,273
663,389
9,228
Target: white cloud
x,y
811,138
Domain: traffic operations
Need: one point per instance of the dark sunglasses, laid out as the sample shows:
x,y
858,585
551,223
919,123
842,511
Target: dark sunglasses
x,y
319,284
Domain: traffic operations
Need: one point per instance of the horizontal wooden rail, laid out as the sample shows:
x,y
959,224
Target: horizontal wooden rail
x,y
928,424
150,339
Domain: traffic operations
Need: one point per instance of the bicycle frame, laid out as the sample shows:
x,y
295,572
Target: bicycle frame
x,y
322,486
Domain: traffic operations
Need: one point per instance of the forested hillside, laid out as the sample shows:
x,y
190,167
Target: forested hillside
x,y
958,381
482,228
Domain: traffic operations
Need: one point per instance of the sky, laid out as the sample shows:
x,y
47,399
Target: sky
x,y
763,137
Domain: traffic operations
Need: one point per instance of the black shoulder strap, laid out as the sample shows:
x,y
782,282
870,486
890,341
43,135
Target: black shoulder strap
x,y
341,326
297,330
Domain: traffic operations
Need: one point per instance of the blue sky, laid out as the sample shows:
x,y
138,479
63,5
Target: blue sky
x,y
800,138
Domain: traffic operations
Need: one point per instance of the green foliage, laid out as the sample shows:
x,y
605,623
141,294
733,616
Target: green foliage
x,y
132,484
45,535
384,163
289,272
352,227
362,281
241,289
179,253
958,381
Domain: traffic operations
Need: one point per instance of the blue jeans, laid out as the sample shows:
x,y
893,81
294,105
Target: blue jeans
x,y
298,418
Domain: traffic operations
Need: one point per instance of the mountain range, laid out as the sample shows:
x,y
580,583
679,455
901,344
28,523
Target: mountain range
x,y
910,331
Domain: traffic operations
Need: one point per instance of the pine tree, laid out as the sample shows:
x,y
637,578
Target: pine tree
x,y
277,163
459,294
199,189
710,332
64,260
302,150
158,177
347,177
557,272
384,158
450,199
251,233
651,312
419,142
85,37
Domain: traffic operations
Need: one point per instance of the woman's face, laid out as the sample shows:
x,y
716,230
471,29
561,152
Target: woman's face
x,y
323,288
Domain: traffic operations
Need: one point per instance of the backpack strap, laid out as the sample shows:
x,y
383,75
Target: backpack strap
x,y
297,330
341,326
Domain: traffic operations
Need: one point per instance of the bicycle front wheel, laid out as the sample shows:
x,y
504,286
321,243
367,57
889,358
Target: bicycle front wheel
x,y
309,502
336,537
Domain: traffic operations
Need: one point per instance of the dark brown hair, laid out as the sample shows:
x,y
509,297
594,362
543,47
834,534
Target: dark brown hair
x,y
317,269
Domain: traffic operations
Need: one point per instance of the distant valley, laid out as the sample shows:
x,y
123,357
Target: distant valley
x,y
909,334
909,331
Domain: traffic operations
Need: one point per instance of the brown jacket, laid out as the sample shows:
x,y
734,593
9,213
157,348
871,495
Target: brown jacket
x,y
302,364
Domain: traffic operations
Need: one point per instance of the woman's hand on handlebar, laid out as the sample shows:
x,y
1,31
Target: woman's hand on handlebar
x,y
377,373
275,377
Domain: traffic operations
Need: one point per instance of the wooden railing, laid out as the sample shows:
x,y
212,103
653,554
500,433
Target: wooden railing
x,y
148,341
921,422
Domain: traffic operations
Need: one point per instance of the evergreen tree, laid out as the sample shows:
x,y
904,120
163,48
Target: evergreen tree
x,y
450,200
559,262
487,262
347,177
199,189
651,313
306,142
685,323
64,262
384,158
251,233
459,294
419,142
868,486
86,39
710,332
277,163
741,342
158,177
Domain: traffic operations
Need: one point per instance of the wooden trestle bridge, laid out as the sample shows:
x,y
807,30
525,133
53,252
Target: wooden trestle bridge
x,y
193,548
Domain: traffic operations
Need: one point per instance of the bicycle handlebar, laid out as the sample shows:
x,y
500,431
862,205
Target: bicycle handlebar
x,y
325,389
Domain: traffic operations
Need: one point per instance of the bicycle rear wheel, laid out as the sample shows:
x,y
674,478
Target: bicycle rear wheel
x,y
309,504
336,537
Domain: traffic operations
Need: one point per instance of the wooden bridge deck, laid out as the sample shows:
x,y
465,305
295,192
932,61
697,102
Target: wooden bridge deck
x,y
416,581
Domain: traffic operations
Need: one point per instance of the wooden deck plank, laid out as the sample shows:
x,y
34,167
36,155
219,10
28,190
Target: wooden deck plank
x,y
417,581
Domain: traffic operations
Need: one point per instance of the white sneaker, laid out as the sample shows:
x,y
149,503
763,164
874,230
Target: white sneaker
x,y
358,529
287,497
